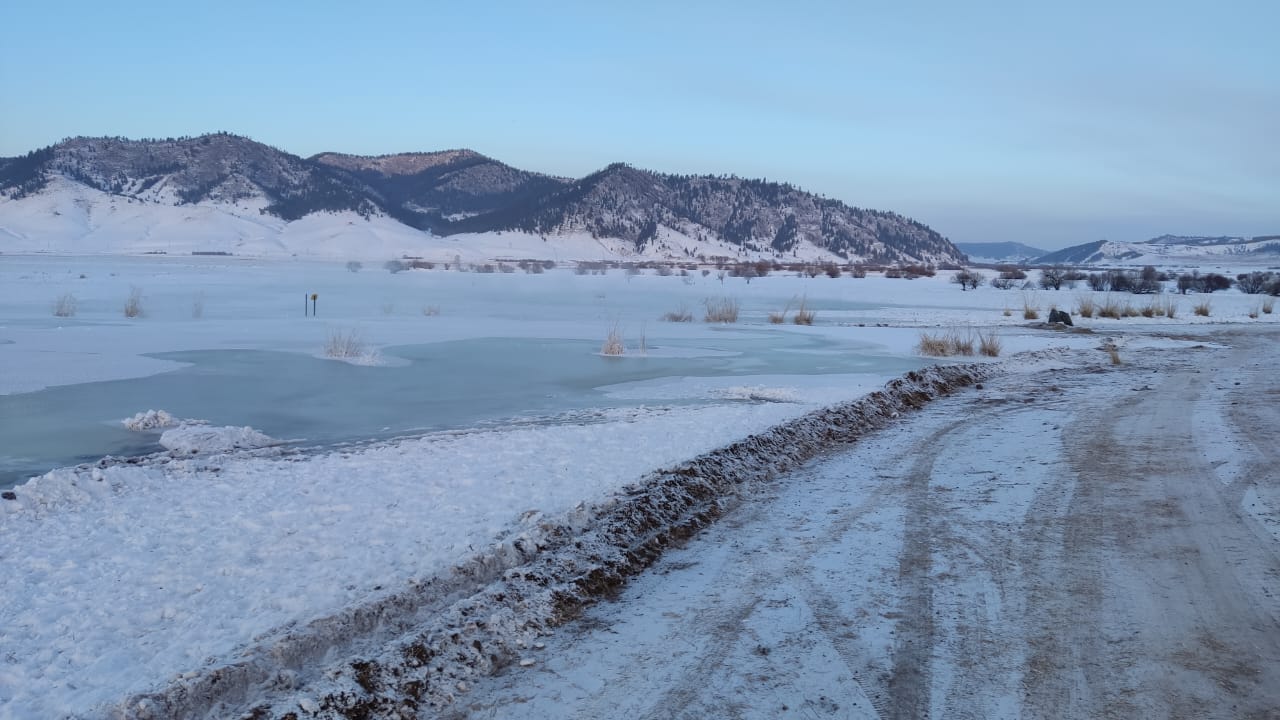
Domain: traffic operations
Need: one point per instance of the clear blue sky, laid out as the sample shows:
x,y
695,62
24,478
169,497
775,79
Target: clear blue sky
x,y
1046,123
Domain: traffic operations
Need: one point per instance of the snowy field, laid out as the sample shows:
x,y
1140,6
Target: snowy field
x,y
479,405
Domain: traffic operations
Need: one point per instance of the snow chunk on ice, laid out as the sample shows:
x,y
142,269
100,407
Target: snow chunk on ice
x,y
193,439
150,420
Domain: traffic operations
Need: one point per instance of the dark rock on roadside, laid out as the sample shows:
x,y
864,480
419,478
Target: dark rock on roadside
x,y
1059,327
1060,316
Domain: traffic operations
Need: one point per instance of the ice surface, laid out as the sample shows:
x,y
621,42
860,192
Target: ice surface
x,y
503,347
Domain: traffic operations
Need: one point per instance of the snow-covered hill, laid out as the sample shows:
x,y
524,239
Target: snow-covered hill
x,y
68,217
1000,252
1169,249
228,194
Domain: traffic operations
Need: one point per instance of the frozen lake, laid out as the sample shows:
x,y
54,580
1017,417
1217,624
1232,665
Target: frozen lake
x,y
225,340
439,386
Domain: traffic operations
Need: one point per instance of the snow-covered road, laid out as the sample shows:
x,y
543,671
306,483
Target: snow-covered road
x,y
1097,541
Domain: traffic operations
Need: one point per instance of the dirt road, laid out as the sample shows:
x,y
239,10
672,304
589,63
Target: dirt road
x,y
1090,541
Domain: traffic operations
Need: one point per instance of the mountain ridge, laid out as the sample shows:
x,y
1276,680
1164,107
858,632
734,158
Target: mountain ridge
x,y
461,191
1000,251
406,163
1166,248
219,167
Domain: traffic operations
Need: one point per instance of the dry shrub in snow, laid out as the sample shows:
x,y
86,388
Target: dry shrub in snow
x,y
803,315
961,345
953,343
935,345
613,343
344,344
1160,307
1268,306
721,310
1201,308
945,344
1114,309
133,304
777,317
989,344
681,315
65,306
1084,306
1030,310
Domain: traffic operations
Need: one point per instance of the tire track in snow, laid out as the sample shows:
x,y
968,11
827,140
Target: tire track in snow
x,y
731,628
1162,608
910,678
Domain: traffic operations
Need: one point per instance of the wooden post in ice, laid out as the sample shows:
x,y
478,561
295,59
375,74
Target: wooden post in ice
x,y
304,305
313,303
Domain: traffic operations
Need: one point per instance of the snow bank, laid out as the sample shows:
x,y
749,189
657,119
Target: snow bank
x,y
56,489
192,439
